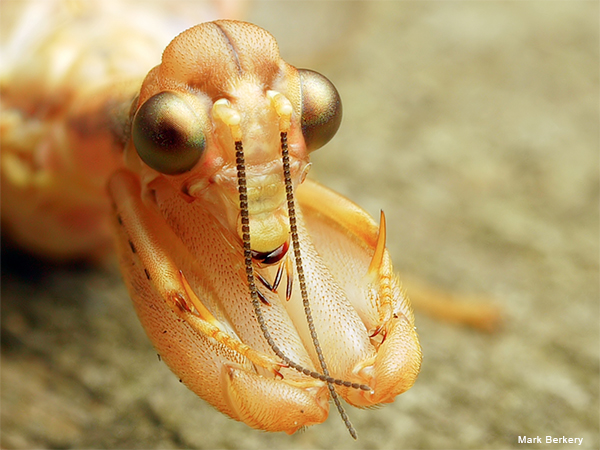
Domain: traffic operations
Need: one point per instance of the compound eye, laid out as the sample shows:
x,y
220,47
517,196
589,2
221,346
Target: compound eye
x,y
167,134
321,109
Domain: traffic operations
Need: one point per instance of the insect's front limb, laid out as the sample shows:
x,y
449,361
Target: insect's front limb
x,y
201,349
145,234
352,247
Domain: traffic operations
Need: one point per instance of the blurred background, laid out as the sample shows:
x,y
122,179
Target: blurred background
x,y
474,126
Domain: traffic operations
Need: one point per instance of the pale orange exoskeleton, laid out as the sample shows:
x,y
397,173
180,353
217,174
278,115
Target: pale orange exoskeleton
x,y
266,293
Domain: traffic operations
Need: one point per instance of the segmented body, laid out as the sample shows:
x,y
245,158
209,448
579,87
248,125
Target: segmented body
x,y
69,73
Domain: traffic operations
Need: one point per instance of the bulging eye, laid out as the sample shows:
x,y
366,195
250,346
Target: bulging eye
x,y
168,134
321,109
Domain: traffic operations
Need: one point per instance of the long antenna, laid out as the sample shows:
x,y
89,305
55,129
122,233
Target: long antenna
x,y
289,188
243,198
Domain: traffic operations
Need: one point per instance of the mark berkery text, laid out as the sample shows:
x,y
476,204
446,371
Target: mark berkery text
x,y
549,440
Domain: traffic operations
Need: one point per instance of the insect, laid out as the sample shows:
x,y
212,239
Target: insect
x,y
266,293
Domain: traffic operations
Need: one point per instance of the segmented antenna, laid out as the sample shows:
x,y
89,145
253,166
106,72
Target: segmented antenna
x,y
289,189
243,197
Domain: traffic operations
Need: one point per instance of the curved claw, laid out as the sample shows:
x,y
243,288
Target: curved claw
x,y
394,369
380,330
377,259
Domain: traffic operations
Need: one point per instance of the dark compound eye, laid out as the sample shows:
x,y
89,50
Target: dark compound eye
x,y
167,134
321,109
